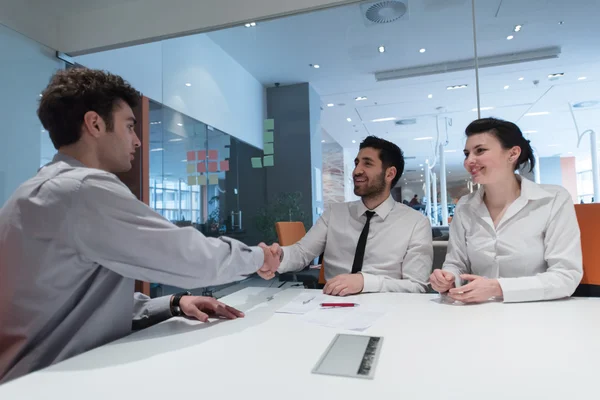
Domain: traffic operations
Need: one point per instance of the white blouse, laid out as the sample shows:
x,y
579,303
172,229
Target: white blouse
x,y
535,252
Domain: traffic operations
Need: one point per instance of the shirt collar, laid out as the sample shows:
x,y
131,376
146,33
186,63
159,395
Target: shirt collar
x,y
382,210
60,157
529,191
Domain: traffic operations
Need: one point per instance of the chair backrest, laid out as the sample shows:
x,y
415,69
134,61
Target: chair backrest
x,y
289,233
588,217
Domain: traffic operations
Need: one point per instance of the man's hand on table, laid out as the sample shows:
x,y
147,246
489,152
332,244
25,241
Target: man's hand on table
x,y
344,285
202,308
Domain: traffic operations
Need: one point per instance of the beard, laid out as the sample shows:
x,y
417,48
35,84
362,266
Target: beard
x,y
374,187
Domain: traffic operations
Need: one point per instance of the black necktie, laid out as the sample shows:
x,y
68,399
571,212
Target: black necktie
x,y
362,243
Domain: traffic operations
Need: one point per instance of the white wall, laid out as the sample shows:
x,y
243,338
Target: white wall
x,y
24,73
223,94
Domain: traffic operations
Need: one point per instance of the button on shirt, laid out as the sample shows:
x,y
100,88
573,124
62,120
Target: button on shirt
x,y
398,256
534,252
72,241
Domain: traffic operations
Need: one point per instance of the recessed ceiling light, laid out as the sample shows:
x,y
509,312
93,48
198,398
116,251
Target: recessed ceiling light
x,y
423,138
330,105
582,78
449,151
184,160
383,119
561,22
349,119
430,96
422,51
250,24
521,78
464,85
506,87
360,98
422,169
158,149
381,49
529,131
188,84
314,66
518,28
483,108
175,140
557,75
535,114
421,179
354,141
179,124
420,165
40,95
421,175
322,141
510,37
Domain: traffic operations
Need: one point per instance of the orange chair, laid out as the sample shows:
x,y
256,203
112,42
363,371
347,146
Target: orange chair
x,y
588,217
289,233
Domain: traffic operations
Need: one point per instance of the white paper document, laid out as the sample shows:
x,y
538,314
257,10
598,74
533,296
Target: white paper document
x,y
306,302
355,318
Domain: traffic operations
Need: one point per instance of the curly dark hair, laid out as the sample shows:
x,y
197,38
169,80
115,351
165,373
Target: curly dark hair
x,y
390,154
73,92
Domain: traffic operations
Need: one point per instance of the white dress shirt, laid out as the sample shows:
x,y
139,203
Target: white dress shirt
x,y
534,252
398,254
72,241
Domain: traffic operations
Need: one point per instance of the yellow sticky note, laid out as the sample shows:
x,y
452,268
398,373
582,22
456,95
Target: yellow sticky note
x,y
268,148
268,161
191,168
256,162
192,180
269,124
213,179
202,180
268,137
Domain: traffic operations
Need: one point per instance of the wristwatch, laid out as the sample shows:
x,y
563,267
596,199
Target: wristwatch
x,y
175,309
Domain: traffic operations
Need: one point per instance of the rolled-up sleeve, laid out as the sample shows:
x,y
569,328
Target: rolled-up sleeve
x,y
562,253
109,226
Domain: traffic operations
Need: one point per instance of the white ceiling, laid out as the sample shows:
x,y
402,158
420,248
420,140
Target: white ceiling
x,y
346,49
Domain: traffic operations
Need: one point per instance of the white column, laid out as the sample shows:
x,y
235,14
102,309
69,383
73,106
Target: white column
x,y
443,190
427,190
594,151
434,199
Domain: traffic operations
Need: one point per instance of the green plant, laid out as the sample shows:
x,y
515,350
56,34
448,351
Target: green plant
x,y
285,206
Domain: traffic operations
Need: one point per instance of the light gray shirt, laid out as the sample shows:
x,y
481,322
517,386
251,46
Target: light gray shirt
x,y
398,254
72,242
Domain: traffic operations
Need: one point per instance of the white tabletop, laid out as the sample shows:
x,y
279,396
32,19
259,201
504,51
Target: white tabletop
x,y
545,350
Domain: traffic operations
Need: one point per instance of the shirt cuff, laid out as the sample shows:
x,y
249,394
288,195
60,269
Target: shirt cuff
x,y
372,283
159,308
285,265
527,288
258,256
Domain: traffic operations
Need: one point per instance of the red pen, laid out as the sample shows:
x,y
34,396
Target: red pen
x,y
339,304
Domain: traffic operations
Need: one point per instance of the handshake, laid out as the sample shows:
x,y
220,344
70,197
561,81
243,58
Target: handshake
x,y
273,255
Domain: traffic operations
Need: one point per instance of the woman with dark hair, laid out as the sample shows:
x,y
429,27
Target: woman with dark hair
x,y
512,239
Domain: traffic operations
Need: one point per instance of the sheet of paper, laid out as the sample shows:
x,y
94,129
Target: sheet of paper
x,y
201,167
256,162
268,137
355,318
268,161
306,302
191,168
269,124
202,180
213,179
268,148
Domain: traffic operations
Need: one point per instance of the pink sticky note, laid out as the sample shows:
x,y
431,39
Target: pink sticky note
x,y
212,167
213,155
201,167
191,156
202,155
224,165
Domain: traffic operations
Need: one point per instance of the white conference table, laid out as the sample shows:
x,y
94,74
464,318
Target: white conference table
x,y
431,350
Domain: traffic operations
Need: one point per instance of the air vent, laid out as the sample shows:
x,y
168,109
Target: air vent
x,y
586,104
383,12
409,121
410,158
410,170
